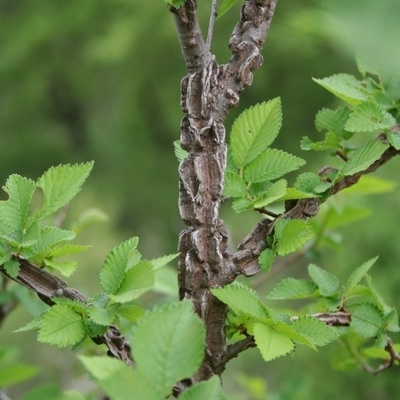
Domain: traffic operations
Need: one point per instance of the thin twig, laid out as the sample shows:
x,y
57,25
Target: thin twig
x,y
211,24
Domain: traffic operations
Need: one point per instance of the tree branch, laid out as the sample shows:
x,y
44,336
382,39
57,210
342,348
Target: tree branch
x,y
48,286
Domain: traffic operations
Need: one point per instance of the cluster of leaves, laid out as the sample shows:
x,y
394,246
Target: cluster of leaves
x,y
277,333
26,232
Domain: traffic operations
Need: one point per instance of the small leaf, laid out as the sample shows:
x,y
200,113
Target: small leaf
x,y
210,390
160,262
180,154
103,315
358,274
266,259
287,330
333,121
394,139
67,268
137,281
49,237
331,143
369,117
295,235
241,204
291,288
241,299
367,320
68,249
363,157
271,343
276,191
116,263
171,347
131,312
271,164
235,186
61,326
12,267
371,185
344,86
60,185
225,6
308,182
16,373
14,211
316,331
254,130
336,218
326,282
175,3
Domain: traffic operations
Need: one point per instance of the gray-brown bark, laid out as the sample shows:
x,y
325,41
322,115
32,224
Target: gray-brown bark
x,y
208,92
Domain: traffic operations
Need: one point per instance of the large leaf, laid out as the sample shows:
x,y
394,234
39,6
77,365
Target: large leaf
x,y
14,211
271,343
61,326
316,331
60,185
333,121
210,390
274,192
234,186
363,157
170,345
115,265
271,164
254,130
242,299
292,288
327,283
367,320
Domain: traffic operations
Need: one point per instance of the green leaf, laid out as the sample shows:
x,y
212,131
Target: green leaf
x,y
137,281
116,263
241,204
271,343
288,331
242,299
363,157
67,268
14,211
316,331
333,121
103,315
171,347
308,182
295,235
16,373
367,320
119,380
210,390
180,154
166,282
175,3
394,139
331,142
337,218
344,86
235,186
271,164
61,326
291,288
326,282
266,259
358,274
131,312
369,184
369,117
254,130
366,65
276,191
225,6
88,218
49,237
294,194
12,267
60,185
68,249
160,262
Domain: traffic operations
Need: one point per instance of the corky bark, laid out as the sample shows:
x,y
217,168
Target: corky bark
x,y
207,93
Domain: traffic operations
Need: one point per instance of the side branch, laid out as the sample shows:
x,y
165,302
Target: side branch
x,y
48,286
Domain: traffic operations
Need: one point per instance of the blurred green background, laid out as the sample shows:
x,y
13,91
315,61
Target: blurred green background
x,y
99,80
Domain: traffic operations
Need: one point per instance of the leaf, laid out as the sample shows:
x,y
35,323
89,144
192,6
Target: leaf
x,y
363,157
12,267
291,288
241,299
316,331
254,130
295,235
331,142
113,269
166,282
369,117
271,343
61,326
171,347
137,281
68,249
175,3
131,312
210,390
225,6
371,185
266,259
276,191
333,121
288,331
119,380
88,218
366,65
326,282
241,204
308,182
14,211
367,320
358,274
271,164
103,315
235,186
60,185
160,262
337,218
344,86
180,154
67,268
16,373
49,237
394,139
